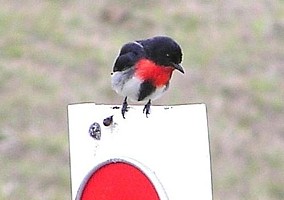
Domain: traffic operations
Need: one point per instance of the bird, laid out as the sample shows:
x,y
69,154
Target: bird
x,y
143,69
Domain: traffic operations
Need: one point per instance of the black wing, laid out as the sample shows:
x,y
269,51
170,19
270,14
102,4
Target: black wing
x,y
129,54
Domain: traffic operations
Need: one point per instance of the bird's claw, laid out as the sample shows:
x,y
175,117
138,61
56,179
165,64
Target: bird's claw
x,y
124,108
146,108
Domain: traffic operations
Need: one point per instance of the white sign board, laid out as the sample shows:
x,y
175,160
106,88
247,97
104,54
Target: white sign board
x,y
170,147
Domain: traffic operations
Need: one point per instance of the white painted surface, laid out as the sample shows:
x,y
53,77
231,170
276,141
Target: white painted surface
x,y
172,142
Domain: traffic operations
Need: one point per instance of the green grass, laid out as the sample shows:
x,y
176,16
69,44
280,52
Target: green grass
x,y
53,53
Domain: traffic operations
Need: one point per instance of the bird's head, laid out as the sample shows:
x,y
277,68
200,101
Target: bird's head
x,y
163,51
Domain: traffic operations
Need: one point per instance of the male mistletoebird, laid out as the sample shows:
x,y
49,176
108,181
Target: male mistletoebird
x,y
143,69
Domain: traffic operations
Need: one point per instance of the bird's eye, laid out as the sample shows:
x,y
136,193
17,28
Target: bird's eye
x,y
168,55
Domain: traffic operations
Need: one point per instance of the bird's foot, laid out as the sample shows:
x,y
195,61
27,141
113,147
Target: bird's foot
x,y
146,108
124,108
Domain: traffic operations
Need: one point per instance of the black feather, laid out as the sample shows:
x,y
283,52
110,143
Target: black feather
x,y
162,50
129,54
146,88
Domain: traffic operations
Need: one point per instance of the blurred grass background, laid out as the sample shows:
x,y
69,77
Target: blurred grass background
x,y
53,53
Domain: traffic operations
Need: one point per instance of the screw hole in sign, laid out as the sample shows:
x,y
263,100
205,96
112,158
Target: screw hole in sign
x,y
118,179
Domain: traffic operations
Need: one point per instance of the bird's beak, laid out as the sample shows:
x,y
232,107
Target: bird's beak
x,y
178,67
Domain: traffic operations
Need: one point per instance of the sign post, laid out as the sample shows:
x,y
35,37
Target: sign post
x,y
164,156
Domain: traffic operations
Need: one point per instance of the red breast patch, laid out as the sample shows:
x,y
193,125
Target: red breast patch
x,y
148,70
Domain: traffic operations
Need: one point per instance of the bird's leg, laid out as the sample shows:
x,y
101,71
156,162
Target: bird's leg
x,y
124,108
146,108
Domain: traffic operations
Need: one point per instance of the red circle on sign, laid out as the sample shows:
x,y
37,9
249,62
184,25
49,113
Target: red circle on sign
x,y
118,181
